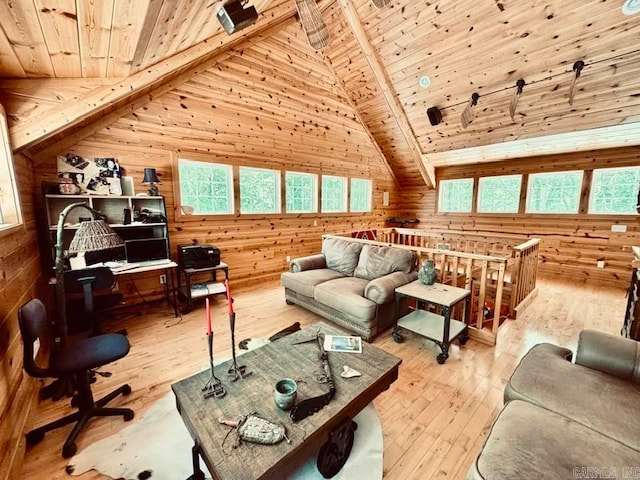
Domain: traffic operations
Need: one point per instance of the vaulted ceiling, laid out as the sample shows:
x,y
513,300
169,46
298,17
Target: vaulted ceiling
x,y
115,55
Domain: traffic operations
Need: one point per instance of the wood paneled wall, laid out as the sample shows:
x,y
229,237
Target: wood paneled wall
x,y
20,280
271,104
571,244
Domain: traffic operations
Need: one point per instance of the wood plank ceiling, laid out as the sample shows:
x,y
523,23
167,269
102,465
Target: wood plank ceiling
x,y
463,46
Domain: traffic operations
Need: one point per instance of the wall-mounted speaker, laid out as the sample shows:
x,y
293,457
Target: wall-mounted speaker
x,y
435,115
233,16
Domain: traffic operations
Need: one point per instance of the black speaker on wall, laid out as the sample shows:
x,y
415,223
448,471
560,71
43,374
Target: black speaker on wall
x,y
435,115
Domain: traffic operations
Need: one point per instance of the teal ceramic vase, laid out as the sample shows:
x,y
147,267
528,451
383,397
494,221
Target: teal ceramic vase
x,y
427,274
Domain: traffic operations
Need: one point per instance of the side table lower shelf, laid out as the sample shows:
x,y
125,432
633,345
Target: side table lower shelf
x,y
190,291
431,325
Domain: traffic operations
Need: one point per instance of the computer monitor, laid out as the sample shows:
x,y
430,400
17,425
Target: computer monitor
x,y
146,249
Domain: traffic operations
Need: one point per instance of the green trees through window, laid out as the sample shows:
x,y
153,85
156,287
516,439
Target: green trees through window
x,y
301,192
334,194
259,190
614,190
207,187
456,195
557,192
499,194
360,200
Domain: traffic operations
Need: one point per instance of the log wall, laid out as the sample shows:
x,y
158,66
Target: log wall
x,y
20,280
570,244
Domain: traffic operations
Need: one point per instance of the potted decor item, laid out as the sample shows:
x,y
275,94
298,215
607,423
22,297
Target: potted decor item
x,y
427,274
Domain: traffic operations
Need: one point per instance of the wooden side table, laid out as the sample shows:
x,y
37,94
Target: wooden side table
x,y
189,292
441,329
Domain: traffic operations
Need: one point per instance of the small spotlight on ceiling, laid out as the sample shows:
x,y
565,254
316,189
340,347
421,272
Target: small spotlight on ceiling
x,y
630,7
425,82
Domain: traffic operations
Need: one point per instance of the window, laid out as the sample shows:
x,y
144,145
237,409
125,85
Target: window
x,y
557,192
259,190
455,195
499,194
614,190
302,192
10,213
360,195
207,187
334,194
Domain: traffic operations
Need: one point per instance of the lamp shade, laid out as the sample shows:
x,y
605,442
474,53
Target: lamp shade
x,y
150,176
94,235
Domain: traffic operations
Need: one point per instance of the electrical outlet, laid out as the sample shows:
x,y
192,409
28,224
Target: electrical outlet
x,y
288,258
618,228
163,279
600,264
315,223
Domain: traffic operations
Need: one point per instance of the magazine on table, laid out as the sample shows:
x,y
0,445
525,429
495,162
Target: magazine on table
x,y
342,343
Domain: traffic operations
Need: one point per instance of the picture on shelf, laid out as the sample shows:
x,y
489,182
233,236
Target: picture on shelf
x,y
97,176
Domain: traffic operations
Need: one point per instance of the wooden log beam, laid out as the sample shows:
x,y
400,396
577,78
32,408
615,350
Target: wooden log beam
x,y
178,68
351,15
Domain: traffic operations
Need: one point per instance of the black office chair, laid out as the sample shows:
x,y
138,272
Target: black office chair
x,y
74,360
89,297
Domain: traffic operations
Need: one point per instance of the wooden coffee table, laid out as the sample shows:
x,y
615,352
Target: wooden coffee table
x,y
268,364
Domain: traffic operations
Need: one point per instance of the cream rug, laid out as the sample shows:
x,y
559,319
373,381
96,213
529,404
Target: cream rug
x,y
158,447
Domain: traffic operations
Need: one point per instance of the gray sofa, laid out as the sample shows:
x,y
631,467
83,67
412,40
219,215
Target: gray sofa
x,y
351,283
568,420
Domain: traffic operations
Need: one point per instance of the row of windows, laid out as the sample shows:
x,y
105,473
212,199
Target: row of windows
x,y
612,191
208,188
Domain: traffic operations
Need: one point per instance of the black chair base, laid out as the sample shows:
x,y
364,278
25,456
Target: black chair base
x,y
88,409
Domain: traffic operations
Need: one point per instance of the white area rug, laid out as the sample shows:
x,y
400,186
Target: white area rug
x,y
160,445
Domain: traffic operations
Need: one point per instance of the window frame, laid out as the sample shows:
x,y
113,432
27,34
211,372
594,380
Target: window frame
x,y
636,195
314,199
530,180
369,199
229,170
10,205
345,202
278,190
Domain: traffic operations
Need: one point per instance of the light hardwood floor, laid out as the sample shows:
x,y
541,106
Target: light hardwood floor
x,y
434,418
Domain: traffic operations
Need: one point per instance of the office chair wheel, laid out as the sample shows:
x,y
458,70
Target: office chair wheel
x,y
126,390
128,416
69,450
35,436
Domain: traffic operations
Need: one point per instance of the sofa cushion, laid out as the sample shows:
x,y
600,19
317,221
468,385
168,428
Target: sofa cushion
x,y
597,400
346,295
341,255
377,261
305,282
527,441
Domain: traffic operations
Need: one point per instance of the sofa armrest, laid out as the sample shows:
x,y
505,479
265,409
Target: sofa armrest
x,y
616,356
311,262
382,290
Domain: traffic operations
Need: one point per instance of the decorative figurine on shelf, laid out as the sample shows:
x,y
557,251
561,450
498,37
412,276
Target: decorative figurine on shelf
x,y
427,274
151,177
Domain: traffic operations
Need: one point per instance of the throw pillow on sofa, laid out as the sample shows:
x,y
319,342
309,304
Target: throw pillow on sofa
x,y
341,255
377,261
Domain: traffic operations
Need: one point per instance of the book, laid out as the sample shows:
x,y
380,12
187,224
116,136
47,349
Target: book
x,y
342,343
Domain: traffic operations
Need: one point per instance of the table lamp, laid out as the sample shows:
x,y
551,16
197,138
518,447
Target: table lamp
x,y
152,179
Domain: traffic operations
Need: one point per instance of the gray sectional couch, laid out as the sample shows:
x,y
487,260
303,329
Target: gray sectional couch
x,y
351,283
568,420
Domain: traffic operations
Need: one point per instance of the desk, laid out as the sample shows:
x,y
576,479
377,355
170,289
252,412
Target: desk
x,y
441,329
267,364
169,268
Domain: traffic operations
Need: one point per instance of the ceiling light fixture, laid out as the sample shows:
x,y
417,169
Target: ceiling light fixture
x,y
425,82
630,7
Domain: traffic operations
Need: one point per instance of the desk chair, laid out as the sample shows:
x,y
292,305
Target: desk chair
x,y
94,285
74,360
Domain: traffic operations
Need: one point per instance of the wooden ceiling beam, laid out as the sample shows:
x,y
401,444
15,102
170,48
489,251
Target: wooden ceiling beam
x,y
105,100
351,15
